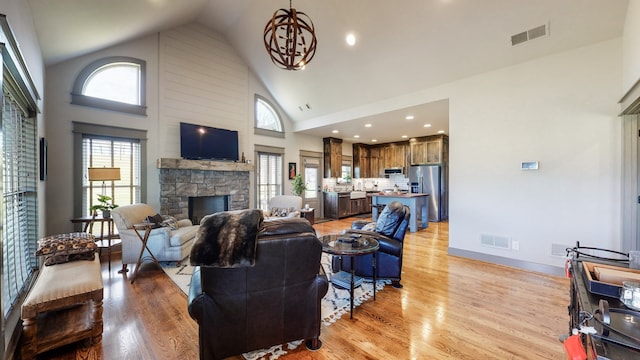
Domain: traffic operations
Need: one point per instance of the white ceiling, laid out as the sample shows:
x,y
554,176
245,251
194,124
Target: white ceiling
x,y
404,46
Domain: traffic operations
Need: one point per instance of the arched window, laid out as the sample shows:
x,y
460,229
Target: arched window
x,y
267,120
113,83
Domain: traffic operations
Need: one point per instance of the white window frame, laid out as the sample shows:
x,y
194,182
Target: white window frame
x,y
15,76
279,132
274,185
78,97
84,130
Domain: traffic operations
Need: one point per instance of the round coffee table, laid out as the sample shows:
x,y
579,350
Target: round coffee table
x,y
352,245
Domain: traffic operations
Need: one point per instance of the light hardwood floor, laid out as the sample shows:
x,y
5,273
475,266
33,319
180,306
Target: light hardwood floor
x,y
449,308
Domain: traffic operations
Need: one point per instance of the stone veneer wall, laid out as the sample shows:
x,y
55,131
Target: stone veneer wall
x,y
181,179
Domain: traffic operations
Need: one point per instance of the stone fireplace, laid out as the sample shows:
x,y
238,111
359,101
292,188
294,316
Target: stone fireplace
x,y
182,181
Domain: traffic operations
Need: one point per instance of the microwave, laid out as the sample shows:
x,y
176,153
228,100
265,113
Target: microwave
x,y
392,171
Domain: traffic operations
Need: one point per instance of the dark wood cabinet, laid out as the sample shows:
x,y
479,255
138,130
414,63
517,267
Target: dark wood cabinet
x,y
395,156
361,161
339,205
332,157
429,150
376,162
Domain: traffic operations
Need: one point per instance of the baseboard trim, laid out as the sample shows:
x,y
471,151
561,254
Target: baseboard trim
x,y
515,263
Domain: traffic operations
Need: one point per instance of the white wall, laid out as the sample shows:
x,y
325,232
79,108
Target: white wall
x,y
193,75
559,110
631,46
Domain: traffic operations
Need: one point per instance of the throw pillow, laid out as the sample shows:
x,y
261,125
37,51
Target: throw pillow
x,y
279,212
155,219
370,226
170,222
66,247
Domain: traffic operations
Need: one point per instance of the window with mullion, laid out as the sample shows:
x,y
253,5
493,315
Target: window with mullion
x,y
100,151
19,197
269,180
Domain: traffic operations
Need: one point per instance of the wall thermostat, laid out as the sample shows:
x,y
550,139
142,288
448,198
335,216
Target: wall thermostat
x,y
529,165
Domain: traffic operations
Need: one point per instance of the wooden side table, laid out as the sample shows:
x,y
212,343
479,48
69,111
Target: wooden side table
x,y
147,227
105,240
308,214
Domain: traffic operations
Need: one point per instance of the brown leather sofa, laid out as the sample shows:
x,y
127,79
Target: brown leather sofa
x,y
276,301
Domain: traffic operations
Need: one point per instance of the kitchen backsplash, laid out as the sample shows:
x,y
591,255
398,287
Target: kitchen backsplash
x,y
330,184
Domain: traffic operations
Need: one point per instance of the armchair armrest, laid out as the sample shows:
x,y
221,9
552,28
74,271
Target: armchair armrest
x,y
388,245
184,222
198,302
359,224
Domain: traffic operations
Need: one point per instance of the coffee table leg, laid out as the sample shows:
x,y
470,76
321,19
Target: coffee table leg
x,y
375,277
351,290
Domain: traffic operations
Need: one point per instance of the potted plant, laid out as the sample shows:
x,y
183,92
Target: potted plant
x,y
104,206
298,185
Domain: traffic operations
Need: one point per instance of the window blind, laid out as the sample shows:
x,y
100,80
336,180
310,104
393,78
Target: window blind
x,y
269,182
101,151
19,199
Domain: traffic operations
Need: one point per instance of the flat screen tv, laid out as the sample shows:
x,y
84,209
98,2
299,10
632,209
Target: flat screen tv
x,y
199,142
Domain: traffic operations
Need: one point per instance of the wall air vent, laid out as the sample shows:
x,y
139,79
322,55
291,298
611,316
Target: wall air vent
x,y
495,241
535,33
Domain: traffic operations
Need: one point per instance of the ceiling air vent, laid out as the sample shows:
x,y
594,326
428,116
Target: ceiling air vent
x,y
536,32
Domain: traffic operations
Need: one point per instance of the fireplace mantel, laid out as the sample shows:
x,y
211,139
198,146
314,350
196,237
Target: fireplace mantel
x,y
167,163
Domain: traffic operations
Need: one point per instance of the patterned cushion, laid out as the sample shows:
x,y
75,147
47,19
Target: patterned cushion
x,y
170,222
66,247
281,212
370,226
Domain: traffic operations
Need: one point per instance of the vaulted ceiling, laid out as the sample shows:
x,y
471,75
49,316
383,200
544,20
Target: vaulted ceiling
x,y
402,47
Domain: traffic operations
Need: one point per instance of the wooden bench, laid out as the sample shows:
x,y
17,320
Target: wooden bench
x,y
64,306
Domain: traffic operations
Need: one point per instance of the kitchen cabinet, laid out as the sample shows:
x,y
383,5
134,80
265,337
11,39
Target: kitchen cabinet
x,y
332,157
331,205
344,205
361,160
339,205
429,150
376,162
394,156
418,152
358,206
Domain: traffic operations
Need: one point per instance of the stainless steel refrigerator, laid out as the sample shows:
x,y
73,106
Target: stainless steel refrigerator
x,y
432,180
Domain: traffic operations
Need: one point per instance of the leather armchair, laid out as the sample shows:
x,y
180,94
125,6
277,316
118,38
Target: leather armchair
x,y
276,301
389,230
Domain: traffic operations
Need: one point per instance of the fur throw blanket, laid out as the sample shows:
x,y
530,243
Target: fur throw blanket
x,y
227,239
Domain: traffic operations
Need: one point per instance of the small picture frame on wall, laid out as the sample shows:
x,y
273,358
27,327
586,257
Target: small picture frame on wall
x,y
43,159
292,170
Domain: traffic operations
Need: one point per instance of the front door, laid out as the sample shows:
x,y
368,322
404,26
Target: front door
x,y
312,178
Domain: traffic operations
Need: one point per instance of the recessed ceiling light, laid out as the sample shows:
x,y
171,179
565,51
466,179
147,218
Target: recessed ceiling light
x,y
404,136
356,136
409,117
373,140
427,125
367,125
351,39
335,131
440,131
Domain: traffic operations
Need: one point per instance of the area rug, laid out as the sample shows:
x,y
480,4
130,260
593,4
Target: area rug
x,y
334,304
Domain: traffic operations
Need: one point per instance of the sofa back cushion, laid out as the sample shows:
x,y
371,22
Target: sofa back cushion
x,y
127,215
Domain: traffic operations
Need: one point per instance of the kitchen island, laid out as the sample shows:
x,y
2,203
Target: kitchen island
x,y
413,201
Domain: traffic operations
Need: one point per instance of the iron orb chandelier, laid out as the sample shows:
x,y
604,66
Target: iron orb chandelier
x,y
290,39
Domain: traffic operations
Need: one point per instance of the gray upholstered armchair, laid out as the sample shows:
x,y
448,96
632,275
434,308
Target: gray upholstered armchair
x,y
165,243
